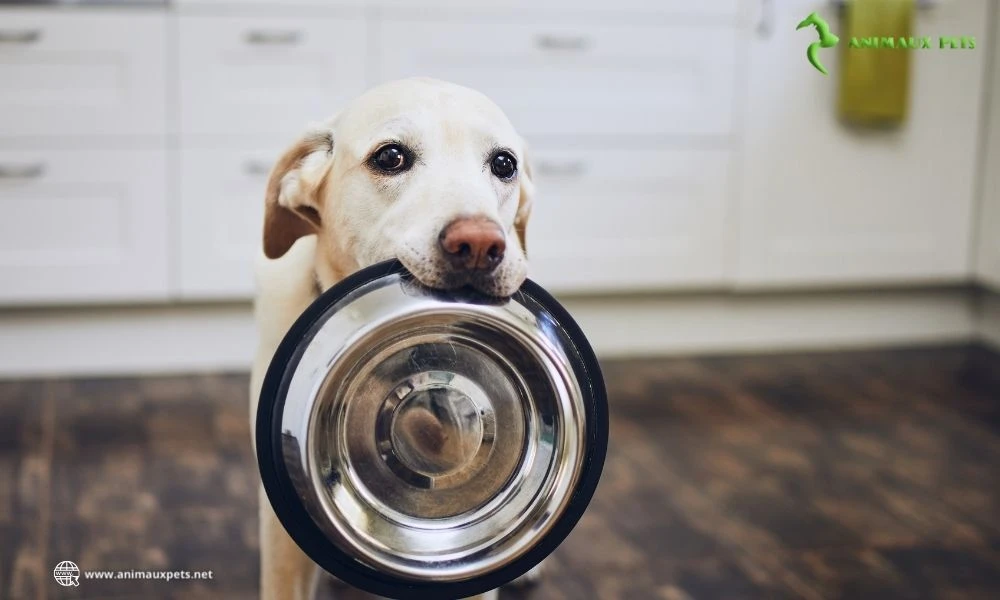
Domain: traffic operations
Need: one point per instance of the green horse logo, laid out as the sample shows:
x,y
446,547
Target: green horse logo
x,y
826,39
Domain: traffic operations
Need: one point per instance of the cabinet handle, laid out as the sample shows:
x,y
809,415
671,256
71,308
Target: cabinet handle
x,y
22,36
921,4
273,38
256,168
765,26
574,168
572,43
29,171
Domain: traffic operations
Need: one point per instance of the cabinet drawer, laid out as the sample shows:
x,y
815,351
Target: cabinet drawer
x,y
678,8
82,226
277,5
608,220
222,215
266,75
578,79
682,8
603,219
79,73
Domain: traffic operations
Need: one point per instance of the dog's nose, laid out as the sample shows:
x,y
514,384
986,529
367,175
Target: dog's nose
x,y
473,243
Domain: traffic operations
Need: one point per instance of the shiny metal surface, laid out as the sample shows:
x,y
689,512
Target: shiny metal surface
x,y
436,429
429,437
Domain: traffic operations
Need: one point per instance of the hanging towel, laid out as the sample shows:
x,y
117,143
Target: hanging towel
x,y
875,61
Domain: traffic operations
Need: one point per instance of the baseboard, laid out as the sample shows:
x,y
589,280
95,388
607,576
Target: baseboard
x,y
989,319
126,341
775,322
182,339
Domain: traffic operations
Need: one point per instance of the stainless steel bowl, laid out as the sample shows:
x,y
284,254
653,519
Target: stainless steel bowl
x,y
419,443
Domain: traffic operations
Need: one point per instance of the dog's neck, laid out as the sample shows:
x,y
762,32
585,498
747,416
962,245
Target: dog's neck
x,y
324,279
331,264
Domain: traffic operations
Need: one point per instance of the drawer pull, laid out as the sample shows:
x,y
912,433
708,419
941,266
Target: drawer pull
x,y
256,167
30,171
765,26
921,4
572,43
575,168
273,38
24,36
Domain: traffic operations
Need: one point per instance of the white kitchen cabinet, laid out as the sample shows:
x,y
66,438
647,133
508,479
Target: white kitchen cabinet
x,y
988,255
681,8
257,75
68,72
577,79
637,218
221,217
83,226
821,204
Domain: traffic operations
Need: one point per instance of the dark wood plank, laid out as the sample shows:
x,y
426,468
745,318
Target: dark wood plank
x,y
25,477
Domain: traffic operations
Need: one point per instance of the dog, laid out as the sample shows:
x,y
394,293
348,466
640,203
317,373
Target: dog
x,y
421,170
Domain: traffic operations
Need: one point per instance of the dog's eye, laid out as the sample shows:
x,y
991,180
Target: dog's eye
x,y
503,165
391,159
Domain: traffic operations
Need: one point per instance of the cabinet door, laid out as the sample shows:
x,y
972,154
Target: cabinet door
x,y
822,204
82,72
606,219
266,75
557,78
83,226
222,210
988,256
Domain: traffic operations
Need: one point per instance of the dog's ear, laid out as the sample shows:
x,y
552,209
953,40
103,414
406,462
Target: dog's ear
x,y
292,204
527,195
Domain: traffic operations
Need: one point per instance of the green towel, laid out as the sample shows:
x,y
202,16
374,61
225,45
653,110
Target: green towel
x,y
875,82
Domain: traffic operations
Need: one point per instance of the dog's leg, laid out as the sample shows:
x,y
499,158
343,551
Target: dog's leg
x,y
286,573
531,578
286,286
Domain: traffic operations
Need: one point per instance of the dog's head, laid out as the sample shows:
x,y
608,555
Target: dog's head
x,y
421,170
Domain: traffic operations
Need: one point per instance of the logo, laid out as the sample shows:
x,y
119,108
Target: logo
x,y
826,39
67,574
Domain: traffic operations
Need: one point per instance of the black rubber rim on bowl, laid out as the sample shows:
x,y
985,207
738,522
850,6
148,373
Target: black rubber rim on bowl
x,y
300,526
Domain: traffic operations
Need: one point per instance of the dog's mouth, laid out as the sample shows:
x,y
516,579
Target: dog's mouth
x,y
467,287
467,295
498,284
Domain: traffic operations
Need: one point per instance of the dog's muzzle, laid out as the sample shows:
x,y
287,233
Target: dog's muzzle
x,y
418,443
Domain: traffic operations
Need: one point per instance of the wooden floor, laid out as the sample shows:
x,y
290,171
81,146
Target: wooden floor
x,y
854,475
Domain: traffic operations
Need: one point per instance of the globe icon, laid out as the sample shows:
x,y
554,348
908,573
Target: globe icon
x,y
67,573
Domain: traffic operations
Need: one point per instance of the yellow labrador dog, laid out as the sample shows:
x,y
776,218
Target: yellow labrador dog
x,y
421,170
